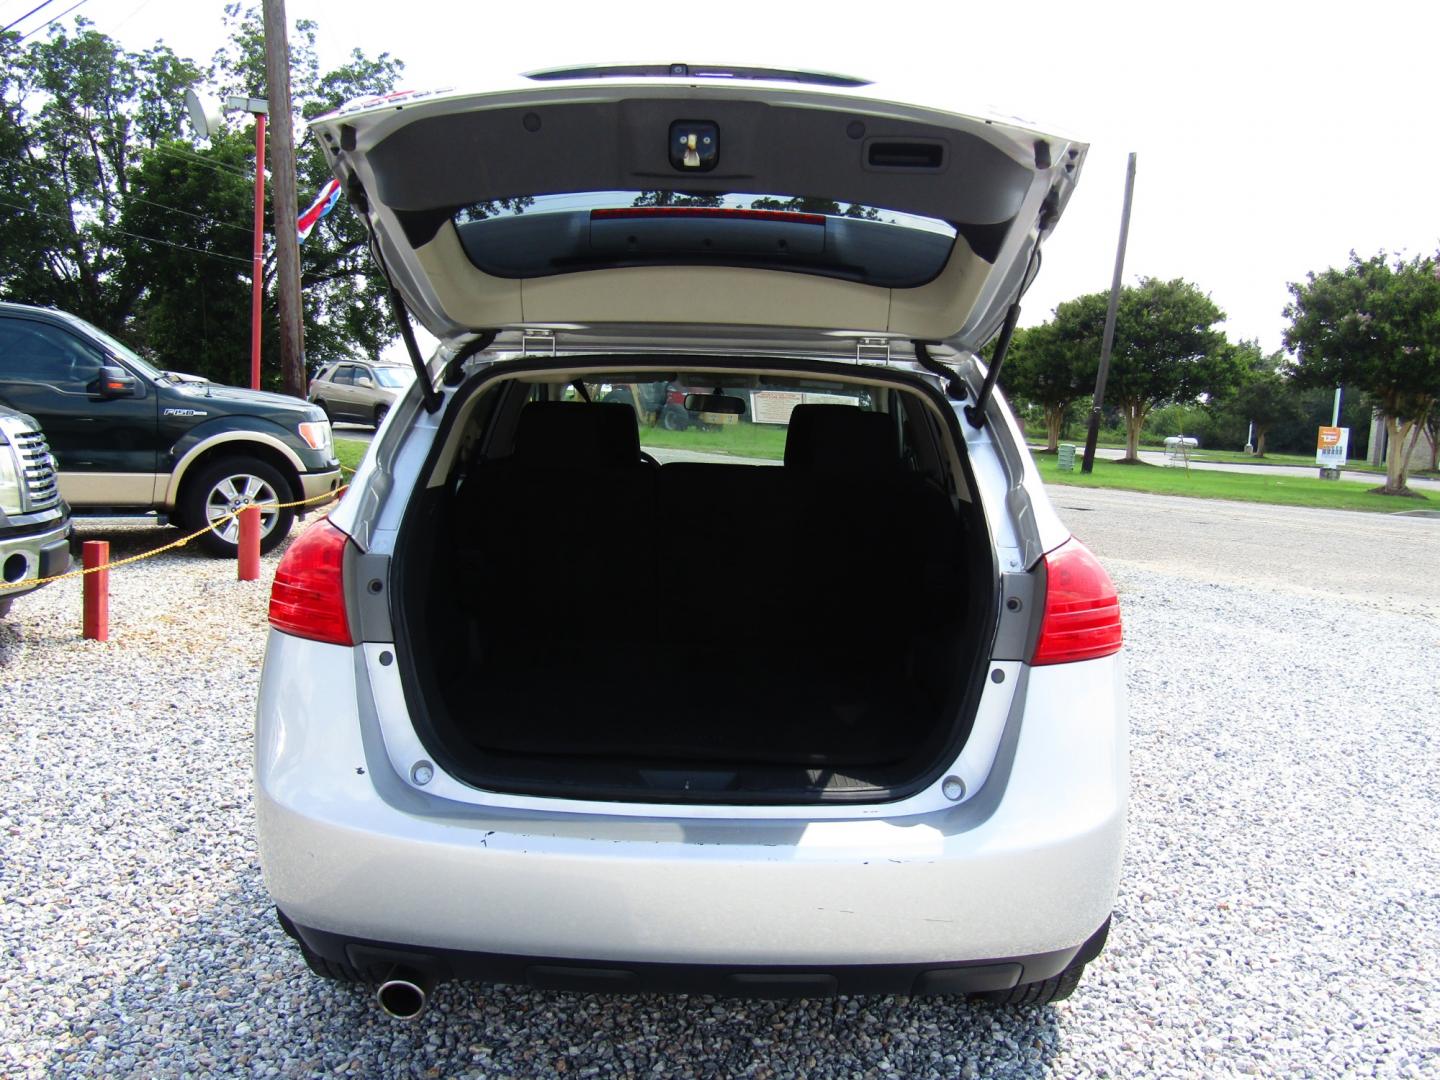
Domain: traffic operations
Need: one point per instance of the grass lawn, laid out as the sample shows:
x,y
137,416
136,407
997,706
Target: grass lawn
x,y
1239,457
350,451
742,440
1243,487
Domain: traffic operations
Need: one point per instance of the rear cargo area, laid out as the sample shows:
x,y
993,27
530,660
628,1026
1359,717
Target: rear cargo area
x,y
592,620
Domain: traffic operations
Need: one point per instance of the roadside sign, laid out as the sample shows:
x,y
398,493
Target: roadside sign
x,y
1067,457
1331,449
1333,446
774,406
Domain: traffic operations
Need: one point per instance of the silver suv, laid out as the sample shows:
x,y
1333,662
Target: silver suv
x,y
816,695
359,391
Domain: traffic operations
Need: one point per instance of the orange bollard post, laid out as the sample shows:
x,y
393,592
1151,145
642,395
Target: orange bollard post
x,y
96,621
249,550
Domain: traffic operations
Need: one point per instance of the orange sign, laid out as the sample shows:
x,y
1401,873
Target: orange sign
x,y
1329,436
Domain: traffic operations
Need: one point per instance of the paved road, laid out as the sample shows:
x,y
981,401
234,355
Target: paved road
x,y
1379,560
362,432
1157,457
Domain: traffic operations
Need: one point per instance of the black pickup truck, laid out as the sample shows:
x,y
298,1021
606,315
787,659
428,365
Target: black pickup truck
x,y
34,520
130,439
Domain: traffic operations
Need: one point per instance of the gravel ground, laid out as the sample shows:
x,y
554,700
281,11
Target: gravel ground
x,y
1280,909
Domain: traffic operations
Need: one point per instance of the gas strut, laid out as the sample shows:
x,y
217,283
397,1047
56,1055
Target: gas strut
x,y
976,413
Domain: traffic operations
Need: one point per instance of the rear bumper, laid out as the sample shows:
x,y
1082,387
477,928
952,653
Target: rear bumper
x,y
32,556
1024,871
376,960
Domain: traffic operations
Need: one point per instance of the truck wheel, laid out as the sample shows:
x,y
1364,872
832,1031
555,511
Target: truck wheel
x,y
228,485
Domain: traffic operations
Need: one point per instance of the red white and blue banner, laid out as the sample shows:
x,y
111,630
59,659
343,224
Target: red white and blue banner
x,y
323,204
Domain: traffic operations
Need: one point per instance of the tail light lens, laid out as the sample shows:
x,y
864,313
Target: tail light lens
x,y
308,596
1082,614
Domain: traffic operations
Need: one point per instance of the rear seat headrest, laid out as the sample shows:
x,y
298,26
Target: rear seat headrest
x,y
840,438
566,434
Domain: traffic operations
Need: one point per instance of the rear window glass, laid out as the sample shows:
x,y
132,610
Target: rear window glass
x,y
555,234
394,378
675,426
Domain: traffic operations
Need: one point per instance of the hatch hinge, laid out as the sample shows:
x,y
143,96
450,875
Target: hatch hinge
x,y
537,342
872,351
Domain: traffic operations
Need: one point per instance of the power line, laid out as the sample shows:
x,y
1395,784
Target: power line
x,y
135,236
198,217
32,11
72,7
187,155
139,8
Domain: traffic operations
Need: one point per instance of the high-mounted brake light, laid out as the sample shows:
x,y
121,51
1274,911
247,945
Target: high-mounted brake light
x,y
308,596
1082,614
630,212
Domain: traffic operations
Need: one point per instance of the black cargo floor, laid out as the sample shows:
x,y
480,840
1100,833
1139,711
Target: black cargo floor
x,y
682,705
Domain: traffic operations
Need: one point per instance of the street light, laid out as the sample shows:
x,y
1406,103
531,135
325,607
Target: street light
x,y
206,117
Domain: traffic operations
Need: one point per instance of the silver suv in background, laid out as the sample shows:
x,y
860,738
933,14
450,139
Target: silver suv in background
x,y
360,392
815,695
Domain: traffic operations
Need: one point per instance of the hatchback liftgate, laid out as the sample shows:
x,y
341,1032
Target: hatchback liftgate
x,y
698,203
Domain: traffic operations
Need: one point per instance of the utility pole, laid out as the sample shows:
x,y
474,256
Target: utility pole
x,y
282,177
1092,435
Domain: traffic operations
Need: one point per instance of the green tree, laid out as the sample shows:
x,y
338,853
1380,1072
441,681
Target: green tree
x,y
1053,365
109,211
1166,350
192,281
677,198
807,204
345,305
77,112
1374,325
1265,396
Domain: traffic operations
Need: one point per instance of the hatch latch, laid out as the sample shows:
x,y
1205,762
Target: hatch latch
x,y
872,351
538,343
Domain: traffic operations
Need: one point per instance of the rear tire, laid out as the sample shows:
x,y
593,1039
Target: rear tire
x,y
380,411
674,418
325,408
223,485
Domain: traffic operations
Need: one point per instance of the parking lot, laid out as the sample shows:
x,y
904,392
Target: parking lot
x,y
1279,911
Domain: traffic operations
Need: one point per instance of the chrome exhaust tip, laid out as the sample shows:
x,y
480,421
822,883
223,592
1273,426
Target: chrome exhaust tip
x,y
405,993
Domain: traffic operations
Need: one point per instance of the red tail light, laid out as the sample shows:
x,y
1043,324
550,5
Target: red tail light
x,y
308,596
1082,615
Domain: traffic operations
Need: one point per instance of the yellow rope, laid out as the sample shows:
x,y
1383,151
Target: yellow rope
x,y
322,497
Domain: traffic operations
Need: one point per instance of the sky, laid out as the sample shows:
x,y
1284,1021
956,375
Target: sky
x,y
1272,138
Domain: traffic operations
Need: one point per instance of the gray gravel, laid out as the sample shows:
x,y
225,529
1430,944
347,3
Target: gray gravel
x,y
1280,910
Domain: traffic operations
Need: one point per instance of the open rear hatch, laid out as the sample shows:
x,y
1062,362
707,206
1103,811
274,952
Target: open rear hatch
x,y
694,202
